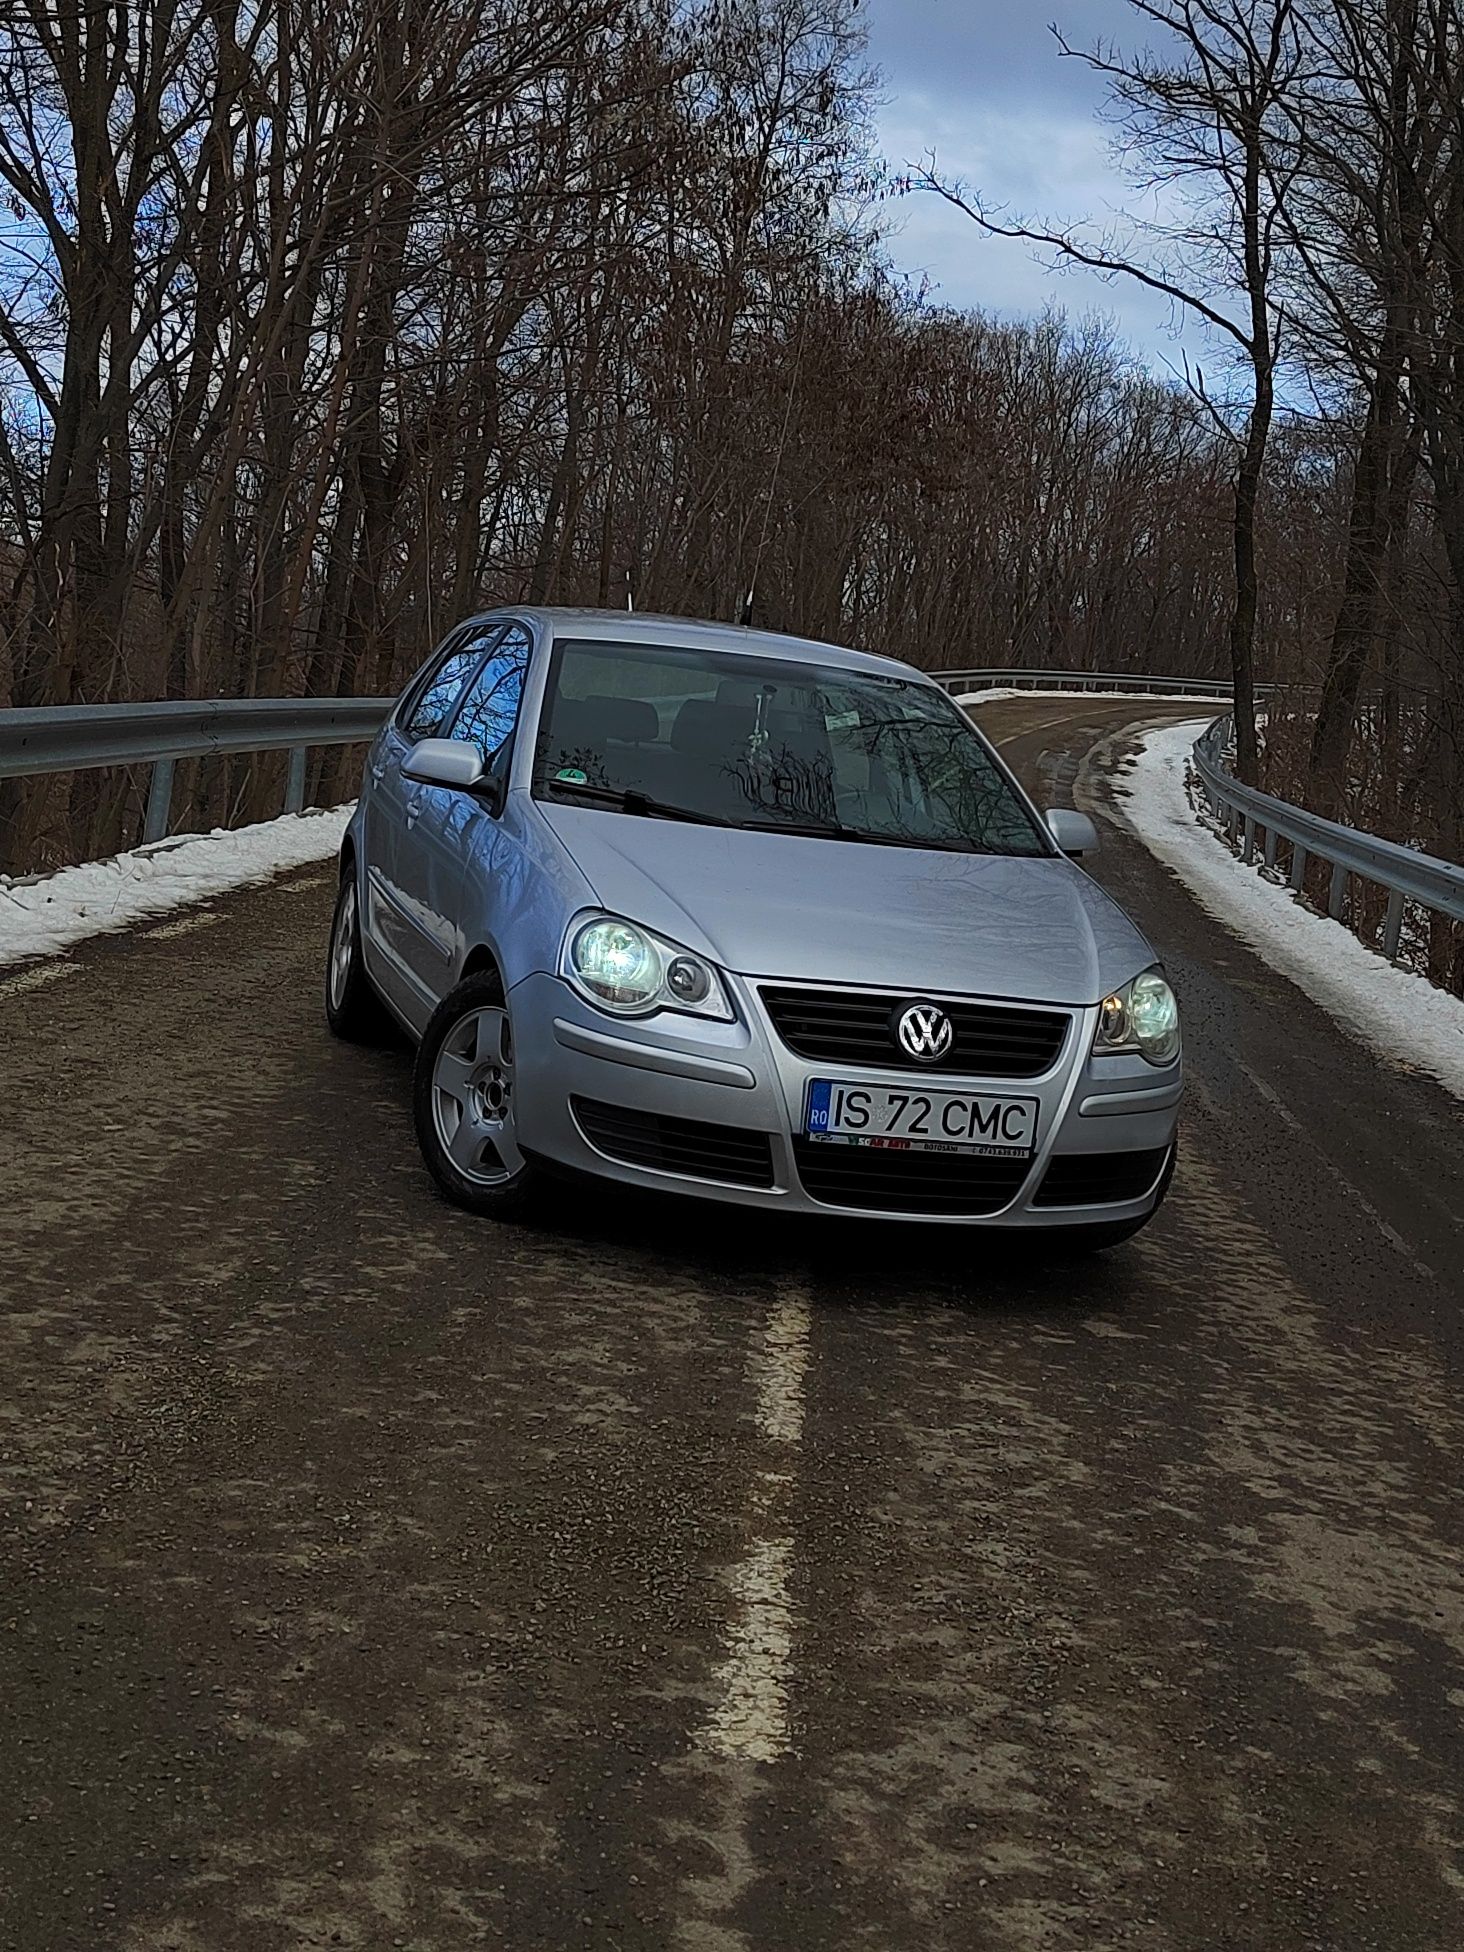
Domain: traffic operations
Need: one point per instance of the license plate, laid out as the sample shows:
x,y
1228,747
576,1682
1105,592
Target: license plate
x,y
909,1118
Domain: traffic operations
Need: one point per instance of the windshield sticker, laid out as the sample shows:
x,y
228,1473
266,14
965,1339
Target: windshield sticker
x,y
573,776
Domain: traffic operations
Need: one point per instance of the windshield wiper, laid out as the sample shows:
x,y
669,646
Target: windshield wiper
x,y
806,830
630,799
930,844
836,830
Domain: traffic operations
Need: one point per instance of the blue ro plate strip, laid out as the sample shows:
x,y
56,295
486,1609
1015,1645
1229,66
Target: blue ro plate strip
x,y
820,1093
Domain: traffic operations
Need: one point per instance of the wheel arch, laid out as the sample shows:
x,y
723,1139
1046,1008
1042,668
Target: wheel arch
x,y
481,961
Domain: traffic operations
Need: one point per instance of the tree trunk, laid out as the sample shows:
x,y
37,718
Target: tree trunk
x,y
1356,629
1247,587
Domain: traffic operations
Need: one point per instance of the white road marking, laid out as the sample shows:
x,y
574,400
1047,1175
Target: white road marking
x,y
780,1364
37,978
750,1722
185,925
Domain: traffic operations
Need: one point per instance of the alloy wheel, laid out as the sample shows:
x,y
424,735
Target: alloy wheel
x,y
472,1098
343,946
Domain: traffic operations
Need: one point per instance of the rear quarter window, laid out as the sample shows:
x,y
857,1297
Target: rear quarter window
x,y
428,708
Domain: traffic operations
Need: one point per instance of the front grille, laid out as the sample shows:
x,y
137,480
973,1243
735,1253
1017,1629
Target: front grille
x,y
992,1040
1099,1178
883,1180
726,1153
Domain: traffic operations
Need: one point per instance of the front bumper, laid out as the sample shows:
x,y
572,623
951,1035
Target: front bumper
x,y
740,1077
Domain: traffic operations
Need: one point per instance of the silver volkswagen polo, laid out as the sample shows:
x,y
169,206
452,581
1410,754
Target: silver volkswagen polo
x,y
723,913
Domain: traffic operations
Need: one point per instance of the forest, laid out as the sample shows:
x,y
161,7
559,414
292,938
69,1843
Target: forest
x,y
322,327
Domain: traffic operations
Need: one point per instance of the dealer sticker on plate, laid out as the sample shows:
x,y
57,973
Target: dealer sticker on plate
x,y
908,1118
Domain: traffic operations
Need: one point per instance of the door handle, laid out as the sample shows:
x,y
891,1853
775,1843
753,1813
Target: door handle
x,y
414,808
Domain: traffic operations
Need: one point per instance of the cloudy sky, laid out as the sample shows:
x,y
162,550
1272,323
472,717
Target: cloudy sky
x,y
982,84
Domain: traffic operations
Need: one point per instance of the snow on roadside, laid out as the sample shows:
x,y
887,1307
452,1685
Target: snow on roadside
x,y
1399,1014
48,915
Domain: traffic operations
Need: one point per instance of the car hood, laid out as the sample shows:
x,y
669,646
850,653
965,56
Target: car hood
x,y
779,905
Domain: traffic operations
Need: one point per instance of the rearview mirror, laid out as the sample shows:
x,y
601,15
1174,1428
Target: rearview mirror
x,y
1074,832
445,762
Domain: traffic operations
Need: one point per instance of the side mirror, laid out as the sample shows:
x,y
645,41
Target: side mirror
x,y
445,762
1074,832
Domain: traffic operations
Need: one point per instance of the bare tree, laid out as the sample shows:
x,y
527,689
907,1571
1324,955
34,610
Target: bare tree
x,y
376,313
1202,125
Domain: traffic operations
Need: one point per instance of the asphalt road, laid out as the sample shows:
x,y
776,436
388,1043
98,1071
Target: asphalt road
x,y
374,1577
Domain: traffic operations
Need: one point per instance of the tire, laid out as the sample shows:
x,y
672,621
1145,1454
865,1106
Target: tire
x,y
463,1104
353,1010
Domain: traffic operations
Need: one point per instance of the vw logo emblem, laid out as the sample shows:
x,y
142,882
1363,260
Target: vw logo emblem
x,y
925,1032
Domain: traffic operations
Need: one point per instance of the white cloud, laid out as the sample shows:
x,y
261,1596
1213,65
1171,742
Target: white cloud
x,y
1004,116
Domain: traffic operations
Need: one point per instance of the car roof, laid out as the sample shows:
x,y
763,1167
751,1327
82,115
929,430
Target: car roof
x,y
692,633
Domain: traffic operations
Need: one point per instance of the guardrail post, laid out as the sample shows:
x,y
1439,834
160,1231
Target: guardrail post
x,y
1338,891
1248,830
1297,877
295,781
1270,853
1393,925
159,800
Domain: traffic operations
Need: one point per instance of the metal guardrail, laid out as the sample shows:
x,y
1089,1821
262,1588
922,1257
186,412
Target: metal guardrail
x,y
1130,683
1255,819
60,739
1258,822
72,738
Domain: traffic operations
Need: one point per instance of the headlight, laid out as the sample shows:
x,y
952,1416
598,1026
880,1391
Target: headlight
x,y
626,969
1143,1016
616,964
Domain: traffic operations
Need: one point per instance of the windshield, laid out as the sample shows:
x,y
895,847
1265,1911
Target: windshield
x,y
750,742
